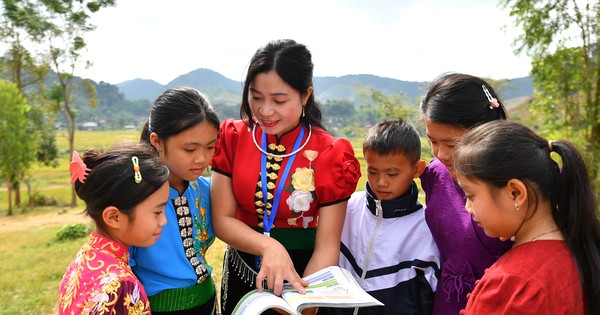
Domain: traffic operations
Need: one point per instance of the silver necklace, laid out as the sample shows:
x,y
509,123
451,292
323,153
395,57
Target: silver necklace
x,y
280,155
535,238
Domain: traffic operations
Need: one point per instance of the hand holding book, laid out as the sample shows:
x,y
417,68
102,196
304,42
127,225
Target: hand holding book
x,y
330,287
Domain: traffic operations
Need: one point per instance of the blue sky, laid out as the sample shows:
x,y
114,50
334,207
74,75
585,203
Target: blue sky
x,y
405,40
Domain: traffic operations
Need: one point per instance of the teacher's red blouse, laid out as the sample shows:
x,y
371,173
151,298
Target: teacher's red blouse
x,y
324,172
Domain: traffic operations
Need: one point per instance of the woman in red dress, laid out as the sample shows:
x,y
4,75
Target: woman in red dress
x,y
280,181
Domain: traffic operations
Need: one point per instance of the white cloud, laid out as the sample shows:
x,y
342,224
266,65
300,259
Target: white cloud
x,y
406,40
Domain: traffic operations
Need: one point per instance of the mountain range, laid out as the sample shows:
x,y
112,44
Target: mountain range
x,y
224,91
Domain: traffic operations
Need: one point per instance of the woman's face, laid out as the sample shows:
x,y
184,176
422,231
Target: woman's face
x,y
276,106
443,138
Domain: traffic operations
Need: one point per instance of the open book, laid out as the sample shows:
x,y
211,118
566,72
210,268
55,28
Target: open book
x,y
330,287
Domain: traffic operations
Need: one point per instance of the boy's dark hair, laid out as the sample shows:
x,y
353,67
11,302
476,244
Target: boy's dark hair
x,y
111,179
394,137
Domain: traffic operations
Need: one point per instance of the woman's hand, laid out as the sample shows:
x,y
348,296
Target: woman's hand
x,y
277,267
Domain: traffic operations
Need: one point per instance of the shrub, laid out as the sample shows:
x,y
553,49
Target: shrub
x,y
72,231
39,200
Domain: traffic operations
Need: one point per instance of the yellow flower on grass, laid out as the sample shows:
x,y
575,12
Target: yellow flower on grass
x,y
303,179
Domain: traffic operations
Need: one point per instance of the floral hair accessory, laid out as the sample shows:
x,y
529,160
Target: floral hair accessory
x,y
493,101
136,169
79,171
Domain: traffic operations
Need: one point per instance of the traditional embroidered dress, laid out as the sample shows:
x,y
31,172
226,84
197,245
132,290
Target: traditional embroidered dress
x,y
324,172
465,250
538,277
392,237
99,281
174,271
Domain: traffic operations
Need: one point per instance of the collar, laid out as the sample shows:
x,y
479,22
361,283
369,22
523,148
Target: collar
x,y
105,244
287,139
398,207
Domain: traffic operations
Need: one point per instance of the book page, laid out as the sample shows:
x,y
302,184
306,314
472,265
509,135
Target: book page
x,y
332,287
255,302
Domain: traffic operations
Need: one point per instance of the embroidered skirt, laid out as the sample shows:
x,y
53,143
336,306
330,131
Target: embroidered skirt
x,y
239,275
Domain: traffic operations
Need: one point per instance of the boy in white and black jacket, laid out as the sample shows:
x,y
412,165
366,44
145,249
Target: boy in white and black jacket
x,y
386,243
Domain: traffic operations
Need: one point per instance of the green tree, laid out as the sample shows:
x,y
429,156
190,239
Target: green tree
x,y
60,26
338,114
392,106
16,152
20,67
562,37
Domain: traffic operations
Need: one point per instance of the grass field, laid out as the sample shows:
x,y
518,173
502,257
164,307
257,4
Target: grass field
x,y
31,261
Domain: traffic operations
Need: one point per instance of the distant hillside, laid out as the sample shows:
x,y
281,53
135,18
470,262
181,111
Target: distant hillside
x,y
139,89
218,88
221,90
516,88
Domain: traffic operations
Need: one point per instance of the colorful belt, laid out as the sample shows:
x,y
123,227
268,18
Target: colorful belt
x,y
183,298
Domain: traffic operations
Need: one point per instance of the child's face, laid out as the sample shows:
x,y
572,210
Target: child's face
x,y
188,153
148,218
493,210
443,138
390,176
275,104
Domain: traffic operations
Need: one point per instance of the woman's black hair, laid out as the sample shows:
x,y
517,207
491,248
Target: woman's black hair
x,y
293,63
177,110
502,150
459,99
111,180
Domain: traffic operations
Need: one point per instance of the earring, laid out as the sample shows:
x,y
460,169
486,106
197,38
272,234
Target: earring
x,y
517,206
303,110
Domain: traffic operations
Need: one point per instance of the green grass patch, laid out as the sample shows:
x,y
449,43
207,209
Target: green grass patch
x,y
34,261
32,267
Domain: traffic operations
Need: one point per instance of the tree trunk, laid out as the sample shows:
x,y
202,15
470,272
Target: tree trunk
x,y
29,193
10,188
17,191
71,132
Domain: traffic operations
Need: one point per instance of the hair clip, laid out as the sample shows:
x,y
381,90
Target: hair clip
x,y
78,169
136,170
493,101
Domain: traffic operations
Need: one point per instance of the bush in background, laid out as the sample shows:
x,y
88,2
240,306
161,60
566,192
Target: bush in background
x,y
72,231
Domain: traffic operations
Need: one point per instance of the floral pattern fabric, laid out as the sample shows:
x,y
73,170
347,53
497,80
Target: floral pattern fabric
x,y
100,281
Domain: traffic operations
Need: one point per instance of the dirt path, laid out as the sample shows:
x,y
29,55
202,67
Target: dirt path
x,y
45,220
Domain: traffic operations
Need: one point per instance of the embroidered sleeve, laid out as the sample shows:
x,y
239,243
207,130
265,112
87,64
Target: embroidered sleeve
x,y
129,298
